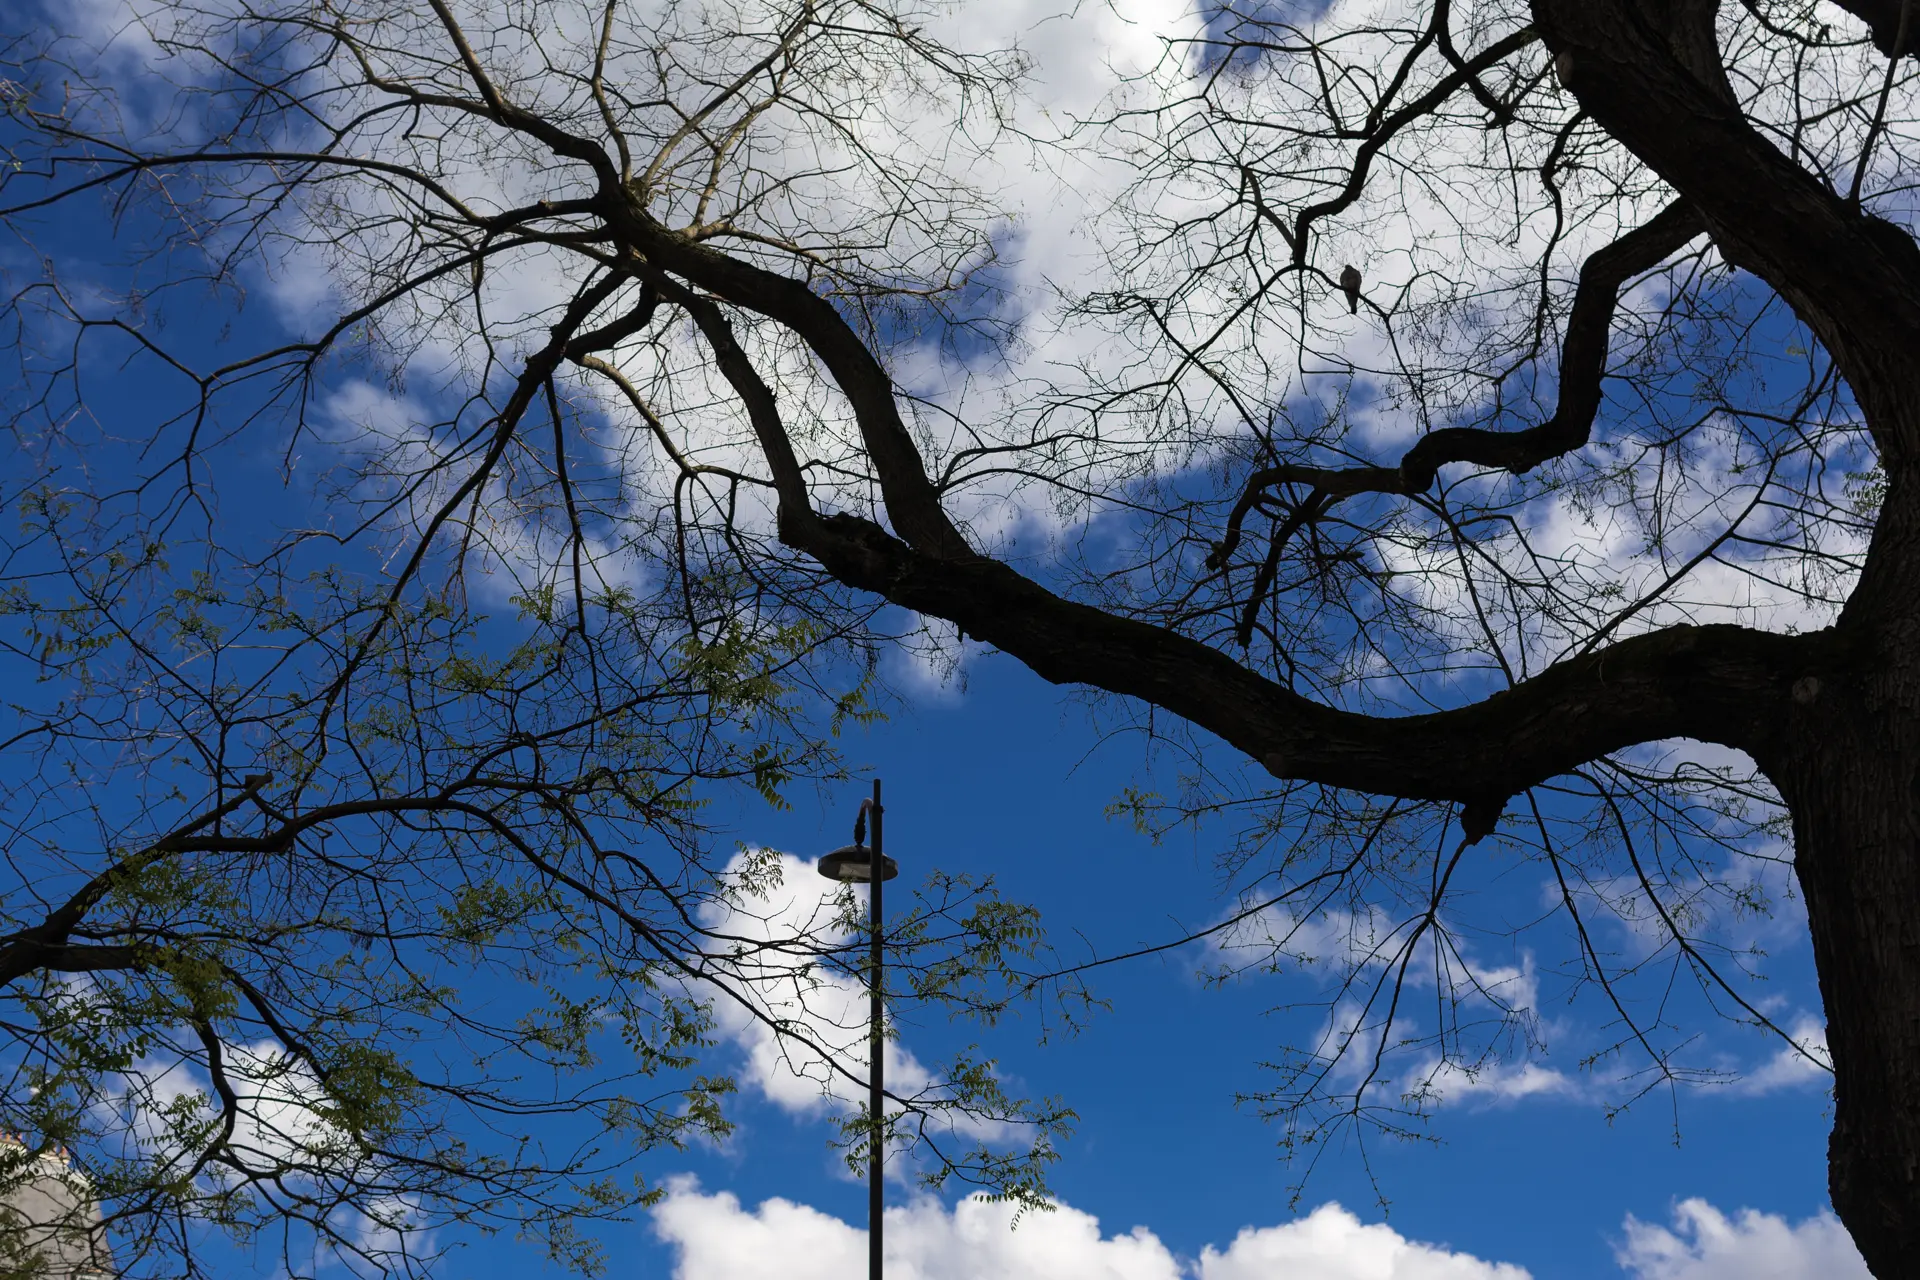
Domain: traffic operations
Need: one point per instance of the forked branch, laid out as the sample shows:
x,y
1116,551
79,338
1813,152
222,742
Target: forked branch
x,y
1583,366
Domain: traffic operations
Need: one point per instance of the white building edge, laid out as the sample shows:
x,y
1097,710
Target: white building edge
x,y
50,1225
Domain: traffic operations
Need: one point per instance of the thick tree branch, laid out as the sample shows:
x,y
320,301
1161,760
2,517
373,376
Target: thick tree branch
x,y
795,510
1883,19
1721,684
41,946
913,505
1650,76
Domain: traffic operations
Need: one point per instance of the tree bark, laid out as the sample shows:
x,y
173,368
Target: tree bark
x,y
1850,771
1833,717
1848,761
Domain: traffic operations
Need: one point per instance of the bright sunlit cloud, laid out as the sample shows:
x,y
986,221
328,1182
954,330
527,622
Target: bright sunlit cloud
x,y
714,1237
1705,1244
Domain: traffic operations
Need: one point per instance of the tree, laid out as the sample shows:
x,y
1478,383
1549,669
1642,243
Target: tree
x,y
435,928
683,273
348,900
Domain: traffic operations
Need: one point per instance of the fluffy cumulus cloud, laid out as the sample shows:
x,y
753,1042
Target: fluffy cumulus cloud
x,y
1705,1244
1332,1244
1806,1063
716,1238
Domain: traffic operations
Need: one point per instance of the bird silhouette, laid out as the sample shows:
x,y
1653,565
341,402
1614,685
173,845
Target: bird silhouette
x,y
1350,285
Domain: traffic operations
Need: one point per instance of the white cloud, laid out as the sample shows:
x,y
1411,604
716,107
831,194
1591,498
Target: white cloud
x,y
1343,944
1706,1244
931,664
817,1058
1504,1082
276,1098
389,1225
1810,1064
1332,1244
399,463
716,1239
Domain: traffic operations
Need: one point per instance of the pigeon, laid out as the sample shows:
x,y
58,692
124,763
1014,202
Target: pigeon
x,y
1350,285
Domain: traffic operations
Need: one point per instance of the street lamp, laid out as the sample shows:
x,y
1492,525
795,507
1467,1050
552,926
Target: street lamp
x,y
854,864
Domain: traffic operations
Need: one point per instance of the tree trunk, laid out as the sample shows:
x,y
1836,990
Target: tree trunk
x,y
1850,772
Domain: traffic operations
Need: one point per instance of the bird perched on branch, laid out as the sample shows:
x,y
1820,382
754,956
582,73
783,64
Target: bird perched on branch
x,y
1350,285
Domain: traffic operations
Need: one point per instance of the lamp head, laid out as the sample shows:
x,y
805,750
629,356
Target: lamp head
x,y
854,865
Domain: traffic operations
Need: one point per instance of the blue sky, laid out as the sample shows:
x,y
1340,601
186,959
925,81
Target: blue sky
x,y
1006,777
1000,773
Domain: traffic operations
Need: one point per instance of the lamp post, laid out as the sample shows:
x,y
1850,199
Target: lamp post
x,y
854,864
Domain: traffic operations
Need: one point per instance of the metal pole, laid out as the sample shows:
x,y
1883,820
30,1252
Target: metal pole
x,y
876,1096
